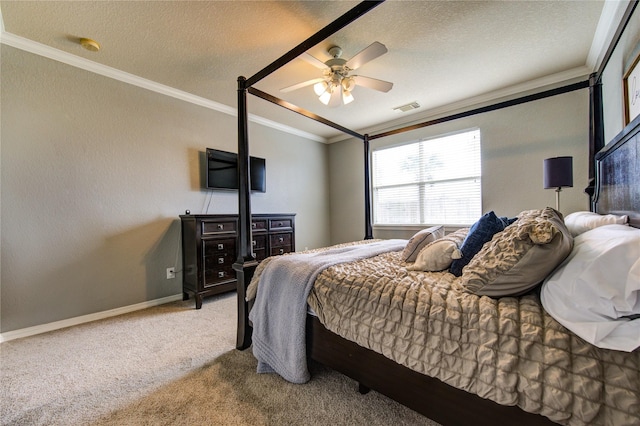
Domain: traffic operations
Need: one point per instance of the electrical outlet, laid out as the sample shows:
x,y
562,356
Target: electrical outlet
x,y
171,273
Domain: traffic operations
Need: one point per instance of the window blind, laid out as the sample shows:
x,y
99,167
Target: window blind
x,y
433,181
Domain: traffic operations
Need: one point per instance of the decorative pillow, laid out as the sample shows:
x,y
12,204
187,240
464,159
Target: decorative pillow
x,y
579,222
520,257
596,291
438,254
419,240
479,233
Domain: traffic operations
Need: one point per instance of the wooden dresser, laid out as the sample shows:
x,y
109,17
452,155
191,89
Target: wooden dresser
x,y
209,249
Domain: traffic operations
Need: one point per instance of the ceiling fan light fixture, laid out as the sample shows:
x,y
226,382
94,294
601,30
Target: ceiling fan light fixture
x,y
347,97
320,88
325,97
335,86
348,83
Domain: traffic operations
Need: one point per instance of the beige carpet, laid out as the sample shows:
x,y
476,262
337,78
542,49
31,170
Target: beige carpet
x,y
171,365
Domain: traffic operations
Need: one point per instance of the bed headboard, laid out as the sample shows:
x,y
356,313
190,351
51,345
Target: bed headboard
x,y
618,175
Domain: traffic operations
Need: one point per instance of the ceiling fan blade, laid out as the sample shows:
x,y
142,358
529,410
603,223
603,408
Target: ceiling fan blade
x,y
373,83
301,85
313,61
369,53
336,97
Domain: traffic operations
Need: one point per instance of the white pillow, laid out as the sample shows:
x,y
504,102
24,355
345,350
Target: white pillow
x,y
438,254
579,222
420,240
596,290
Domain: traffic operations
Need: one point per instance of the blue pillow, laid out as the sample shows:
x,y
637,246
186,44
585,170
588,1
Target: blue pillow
x,y
479,233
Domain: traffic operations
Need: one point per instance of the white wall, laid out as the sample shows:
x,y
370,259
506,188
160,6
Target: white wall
x,y
94,174
515,141
626,52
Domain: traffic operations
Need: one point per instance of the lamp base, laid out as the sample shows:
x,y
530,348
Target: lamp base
x,y
558,198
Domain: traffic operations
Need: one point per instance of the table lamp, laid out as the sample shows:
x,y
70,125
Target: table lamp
x,y
558,173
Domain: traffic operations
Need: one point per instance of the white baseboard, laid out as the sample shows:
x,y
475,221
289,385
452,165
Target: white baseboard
x,y
38,329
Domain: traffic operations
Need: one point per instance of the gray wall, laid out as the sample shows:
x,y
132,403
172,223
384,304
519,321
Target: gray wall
x,y
94,174
515,141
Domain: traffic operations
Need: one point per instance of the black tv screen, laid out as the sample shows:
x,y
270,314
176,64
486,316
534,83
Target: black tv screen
x,y
258,174
222,171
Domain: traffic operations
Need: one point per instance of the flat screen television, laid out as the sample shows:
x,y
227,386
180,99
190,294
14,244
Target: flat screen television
x,y
222,171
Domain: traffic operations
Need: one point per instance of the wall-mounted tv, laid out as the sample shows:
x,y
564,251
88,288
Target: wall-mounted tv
x,y
222,171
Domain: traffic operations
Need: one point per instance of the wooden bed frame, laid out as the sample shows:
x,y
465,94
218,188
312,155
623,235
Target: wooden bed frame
x,y
614,175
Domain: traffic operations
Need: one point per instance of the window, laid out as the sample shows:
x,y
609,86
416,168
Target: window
x,y
433,181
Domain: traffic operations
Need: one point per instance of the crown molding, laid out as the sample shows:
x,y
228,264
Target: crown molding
x,y
49,52
484,99
611,14
610,18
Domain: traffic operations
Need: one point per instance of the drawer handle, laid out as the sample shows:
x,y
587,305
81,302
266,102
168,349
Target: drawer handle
x,y
220,227
254,225
279,224
281,239
221,260
253,242
221,274
220,246
281,251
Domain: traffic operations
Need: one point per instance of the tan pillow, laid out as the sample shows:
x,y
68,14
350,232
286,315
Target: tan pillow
x,y
438,255
420,240
520,257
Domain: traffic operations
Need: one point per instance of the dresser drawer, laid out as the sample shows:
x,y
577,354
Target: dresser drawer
x,y
260,254
259,225
219,275
259,246
280,240
259,242
218,226
276,251
217,246
275,224
219,260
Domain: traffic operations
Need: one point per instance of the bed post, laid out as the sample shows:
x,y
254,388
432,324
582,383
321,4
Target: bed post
x,y
246,263
596,131
368,228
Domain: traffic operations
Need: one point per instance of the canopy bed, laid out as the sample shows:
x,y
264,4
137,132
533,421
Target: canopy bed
x,y
450,354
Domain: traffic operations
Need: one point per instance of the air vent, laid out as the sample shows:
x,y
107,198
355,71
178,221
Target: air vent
x,y
407,107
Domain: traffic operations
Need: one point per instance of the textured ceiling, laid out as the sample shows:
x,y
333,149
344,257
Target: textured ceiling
x,y
440,52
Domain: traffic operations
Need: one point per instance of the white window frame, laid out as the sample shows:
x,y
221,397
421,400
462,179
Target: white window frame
x,y
419,181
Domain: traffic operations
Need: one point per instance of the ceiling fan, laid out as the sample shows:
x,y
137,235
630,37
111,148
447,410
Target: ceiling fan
x,y
334,88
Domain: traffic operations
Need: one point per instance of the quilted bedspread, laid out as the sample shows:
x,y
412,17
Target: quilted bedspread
x,y
508,350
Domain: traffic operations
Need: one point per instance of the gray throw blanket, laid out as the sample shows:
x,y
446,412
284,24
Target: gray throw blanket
x,y
279,312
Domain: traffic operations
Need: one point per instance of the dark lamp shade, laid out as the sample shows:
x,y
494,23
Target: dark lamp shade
x,y
558,172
